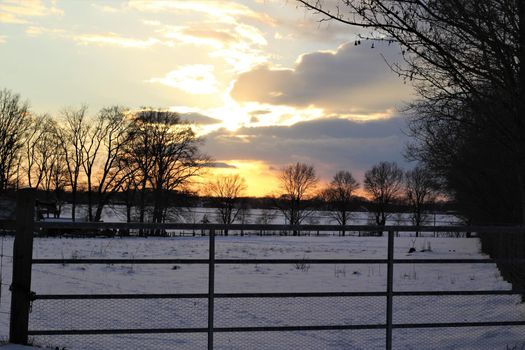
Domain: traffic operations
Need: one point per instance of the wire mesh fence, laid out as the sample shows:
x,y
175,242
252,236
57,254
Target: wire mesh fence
x,y
471,338
389,317
367,339
158,341
107,314
457,309
299,311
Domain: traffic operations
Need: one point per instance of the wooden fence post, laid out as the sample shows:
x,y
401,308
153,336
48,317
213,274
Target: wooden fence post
x,y
22,259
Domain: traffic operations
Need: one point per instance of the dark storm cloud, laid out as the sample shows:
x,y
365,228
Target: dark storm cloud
x,y
329,144
354,79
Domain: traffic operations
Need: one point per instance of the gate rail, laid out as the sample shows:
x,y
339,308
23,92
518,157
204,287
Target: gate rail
x,y
22,262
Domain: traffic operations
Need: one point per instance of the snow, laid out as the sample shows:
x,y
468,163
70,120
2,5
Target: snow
x,y
243,312
18,347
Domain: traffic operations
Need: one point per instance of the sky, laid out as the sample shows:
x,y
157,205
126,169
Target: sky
x,y
265,82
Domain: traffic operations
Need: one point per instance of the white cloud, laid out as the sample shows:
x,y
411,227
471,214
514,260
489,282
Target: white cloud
x,y
353,80
106,8
114,40
37,31
19,12
238,44
195,79
220,11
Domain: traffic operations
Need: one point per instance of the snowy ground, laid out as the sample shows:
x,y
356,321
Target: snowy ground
x,y
169,313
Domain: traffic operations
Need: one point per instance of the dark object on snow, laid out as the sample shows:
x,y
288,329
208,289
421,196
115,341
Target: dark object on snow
x,y
411,250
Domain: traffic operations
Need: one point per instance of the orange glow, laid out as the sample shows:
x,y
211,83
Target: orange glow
x,y
261,180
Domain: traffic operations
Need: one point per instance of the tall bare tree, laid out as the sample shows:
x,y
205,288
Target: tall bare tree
x,y
72,132
383,183
14,122
90,145
39,150
55,168
227,191
298,182
339,195
166,154
112,131
465,59
420,191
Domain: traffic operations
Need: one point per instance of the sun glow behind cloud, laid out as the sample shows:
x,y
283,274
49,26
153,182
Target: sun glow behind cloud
x,y
195,79
261,179
240,66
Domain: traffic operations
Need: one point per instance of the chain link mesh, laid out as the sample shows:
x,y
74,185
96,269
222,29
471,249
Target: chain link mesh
x,y
304,311
458,308
71,314
303,340
464,338
166,313
124,342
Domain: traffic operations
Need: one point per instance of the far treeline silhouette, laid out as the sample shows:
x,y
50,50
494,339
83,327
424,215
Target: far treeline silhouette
x,y
148,161
465,60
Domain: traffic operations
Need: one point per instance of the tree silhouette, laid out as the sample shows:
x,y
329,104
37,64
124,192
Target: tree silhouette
x,y
383,183
339,195
14,123
420,191
165,154
226,191
460,56
298,181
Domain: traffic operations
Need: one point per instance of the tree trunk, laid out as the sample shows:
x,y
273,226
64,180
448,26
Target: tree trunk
x,y
90,198
521,106
73,203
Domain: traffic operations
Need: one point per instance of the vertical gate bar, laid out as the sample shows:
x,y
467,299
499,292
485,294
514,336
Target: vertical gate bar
x,y
389,290
22,260
211,287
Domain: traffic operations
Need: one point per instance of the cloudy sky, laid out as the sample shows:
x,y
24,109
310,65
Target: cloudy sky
x,y
265,82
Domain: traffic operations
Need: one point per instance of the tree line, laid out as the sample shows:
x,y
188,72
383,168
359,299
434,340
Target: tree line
x,y
145,154
385,184
464,59
149,158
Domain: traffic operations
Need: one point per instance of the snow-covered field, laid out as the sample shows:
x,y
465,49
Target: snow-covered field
x,y
171,313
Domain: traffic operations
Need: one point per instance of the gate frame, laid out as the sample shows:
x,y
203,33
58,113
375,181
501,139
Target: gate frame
x,y
22,296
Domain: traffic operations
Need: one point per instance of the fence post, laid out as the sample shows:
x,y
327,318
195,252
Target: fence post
x,y
22,259
389,290
211,287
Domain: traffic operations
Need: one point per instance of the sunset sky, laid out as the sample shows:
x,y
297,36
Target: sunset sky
x,y
266,83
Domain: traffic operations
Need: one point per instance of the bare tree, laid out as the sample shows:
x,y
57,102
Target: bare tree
x,y
38,149
420,191
165,153
339,196
465,59
383,183
266,217
298,181
55,168
90,144
72,133
243,216
105,154
227,190
14,122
